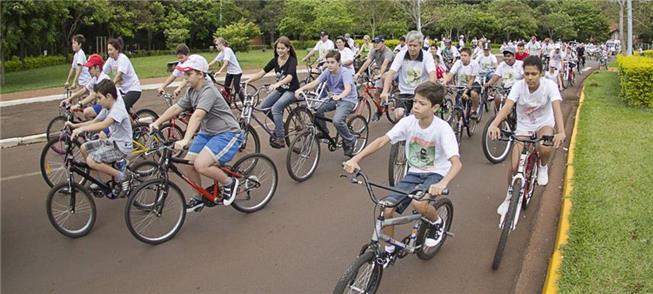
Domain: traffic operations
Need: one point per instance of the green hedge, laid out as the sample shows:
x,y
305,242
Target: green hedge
x,y
15,64
636,80
648,53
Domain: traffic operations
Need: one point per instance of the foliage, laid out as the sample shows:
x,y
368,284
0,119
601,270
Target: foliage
x,y
558,25
514,17
588,20
636,80
16,64
239,34
176,30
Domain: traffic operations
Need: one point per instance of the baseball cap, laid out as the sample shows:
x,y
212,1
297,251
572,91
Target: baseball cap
x,y
378,39
322,34
486,46
93,60
510,50
557,46
194,62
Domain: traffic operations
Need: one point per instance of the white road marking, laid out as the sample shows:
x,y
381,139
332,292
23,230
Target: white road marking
x,y
19,176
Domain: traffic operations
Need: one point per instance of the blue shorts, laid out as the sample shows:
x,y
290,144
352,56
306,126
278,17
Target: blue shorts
x,y
412,182
223,146
97,108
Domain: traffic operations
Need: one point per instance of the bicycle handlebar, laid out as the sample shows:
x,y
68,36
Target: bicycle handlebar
x,y
510,137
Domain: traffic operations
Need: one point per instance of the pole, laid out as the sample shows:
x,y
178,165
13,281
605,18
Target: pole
x,y
630,27
419,16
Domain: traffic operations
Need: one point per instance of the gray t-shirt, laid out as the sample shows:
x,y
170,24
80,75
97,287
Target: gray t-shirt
x,y
121,129
380,56
218,118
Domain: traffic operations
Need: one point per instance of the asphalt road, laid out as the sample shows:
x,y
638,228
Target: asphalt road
x,y
300,243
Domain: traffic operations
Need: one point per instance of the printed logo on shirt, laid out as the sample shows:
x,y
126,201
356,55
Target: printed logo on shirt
x,y
421,153
414,76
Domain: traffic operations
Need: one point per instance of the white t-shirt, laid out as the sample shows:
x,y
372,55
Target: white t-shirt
x,y
121,128
552,76
478,51
555,59
412,72
452,52
464,72
510,74
486,63
427,150
347,55
534,110
323,47
533,48
227,54
79,60
130,80
400,48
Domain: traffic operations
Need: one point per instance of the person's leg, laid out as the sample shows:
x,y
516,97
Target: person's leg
x,y
92,111
514,159
423,207
476,98
130,99
228,79
319,116
220,149
277,112
195,148
407,184
237,89
269,101
343,109
545,154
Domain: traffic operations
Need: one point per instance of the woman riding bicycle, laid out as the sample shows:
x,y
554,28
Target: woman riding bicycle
x,y
125,75
229,61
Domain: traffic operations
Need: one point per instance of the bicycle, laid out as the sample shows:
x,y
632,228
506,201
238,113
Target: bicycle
x,y
461,116
306,145
364,274
365,96
313,72
231,97
603,62
69,205
522,185
568,75
147,224
497,151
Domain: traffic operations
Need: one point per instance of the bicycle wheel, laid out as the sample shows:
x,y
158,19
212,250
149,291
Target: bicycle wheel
x,y
297,121
145,116
251,143
53,131
444,207
362,276
71,211
359,128
257,183
173,133
397,165
471,123
159,222
364,108
531,175
495,150
390,113
456,124
303,156
447,109
506,226
251,90
52,165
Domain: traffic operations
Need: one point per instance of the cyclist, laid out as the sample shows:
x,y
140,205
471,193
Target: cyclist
x,y
401,46
427,43
487,61
413,66
339,82
350,42
520,54
282,93
569,59
555,58
81,75
229,61
554,75
580,52
101,153
380,57
466,71
432,154
321,47
218,139
449,53
182,51
365,48
94,66
346,54
538,106
125,76
534,48
509,71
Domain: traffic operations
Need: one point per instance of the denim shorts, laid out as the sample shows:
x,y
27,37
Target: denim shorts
x,y
412,182
223,146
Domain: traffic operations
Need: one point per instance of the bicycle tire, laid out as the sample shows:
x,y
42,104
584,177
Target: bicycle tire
x,y
507,224
303,146
155,211
390,113
173,133
397,164
487,149
456,124
370,284
54,217
298,120
531,176
251,142
53,130
443,206
358,126
145,116
364,108
55,166
252,178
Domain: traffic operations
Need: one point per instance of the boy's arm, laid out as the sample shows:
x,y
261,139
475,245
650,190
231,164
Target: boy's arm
x,y
92,126
560,135
352,164
456,166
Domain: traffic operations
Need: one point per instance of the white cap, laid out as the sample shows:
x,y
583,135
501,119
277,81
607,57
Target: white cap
x,y
557,46
194,62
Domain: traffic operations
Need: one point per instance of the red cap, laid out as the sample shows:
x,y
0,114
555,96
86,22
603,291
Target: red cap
x,y
93,60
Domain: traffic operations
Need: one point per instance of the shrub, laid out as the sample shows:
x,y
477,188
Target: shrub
x,y
239,34
636,80
648,53
15,64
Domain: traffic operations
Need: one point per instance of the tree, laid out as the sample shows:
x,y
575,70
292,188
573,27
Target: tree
x,y
515,18
558,25
589,22
298,15
373,15
150,20
176,30
239,34
421,12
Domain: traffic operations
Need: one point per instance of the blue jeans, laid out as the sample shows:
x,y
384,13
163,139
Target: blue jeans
x,y
412,182
343,109
278,101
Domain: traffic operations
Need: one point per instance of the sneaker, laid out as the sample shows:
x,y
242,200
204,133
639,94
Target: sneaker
x,y
124,185
503,208
348,148
435,234
376,116
543,175
195,204
229,192
474,116
277,142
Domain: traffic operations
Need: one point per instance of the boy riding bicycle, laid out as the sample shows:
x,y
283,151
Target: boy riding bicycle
x,y
431,152
218,139
100,154
339,82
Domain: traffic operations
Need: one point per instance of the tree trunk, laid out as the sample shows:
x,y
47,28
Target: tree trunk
x,y
622,38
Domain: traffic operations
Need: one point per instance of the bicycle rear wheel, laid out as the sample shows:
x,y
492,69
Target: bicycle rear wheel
x,y
444,207
71,211
397,164
362,276
506,226
364,108
390,113
257,183
303,156
162,219
52,165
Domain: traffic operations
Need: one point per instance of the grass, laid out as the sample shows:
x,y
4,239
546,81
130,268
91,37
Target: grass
x,y
146,67
610,247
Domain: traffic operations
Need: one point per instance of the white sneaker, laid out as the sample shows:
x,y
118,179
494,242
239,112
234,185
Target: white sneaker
x,y
543,175
503,208
435,234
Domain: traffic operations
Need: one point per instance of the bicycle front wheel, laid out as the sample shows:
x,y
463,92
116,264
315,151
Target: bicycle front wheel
x,y
257,182
53,131
444,207
390,113
51,163
359,128
362,276
495,150
71,211
397,164
506,226
297,122
162,219
303,156
146,116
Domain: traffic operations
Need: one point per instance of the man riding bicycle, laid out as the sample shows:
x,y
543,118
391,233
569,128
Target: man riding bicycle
x,y
509,71
466,71
380,57
219,137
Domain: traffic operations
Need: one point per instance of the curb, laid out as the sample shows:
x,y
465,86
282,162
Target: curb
x,y
18,141
553,272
